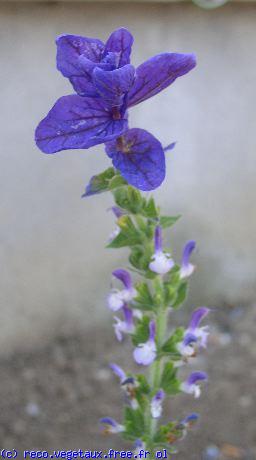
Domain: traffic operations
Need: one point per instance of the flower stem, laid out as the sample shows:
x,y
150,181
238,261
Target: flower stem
x,y
155,373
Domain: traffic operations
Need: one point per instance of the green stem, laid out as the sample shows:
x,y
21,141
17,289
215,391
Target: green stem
x,y
156,374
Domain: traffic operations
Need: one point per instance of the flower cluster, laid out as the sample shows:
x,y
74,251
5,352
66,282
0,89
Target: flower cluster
x,y
141,312
107,85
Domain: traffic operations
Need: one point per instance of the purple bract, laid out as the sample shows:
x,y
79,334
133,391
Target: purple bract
x,y
107,85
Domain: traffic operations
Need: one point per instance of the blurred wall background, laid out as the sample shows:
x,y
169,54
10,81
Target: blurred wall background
x,y
55,272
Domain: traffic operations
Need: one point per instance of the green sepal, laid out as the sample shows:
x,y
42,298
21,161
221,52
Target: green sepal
x,y
169,382
143,384
128,236
129,198
144,299
104,182
116,182
134,423
142,391
169,433
168,221
141,333
135,258
170,346
140,258
175,289
146,226
161,434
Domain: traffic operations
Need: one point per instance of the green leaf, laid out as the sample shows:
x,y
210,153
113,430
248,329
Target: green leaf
x,y
141,333
169,382
107,180
181,294
144,299
170,346
168,221
149,209
128,236
134,423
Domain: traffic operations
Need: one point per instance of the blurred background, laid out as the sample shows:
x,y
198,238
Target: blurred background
x,y
56,339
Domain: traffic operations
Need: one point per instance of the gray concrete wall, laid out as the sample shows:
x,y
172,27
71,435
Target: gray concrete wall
x,y
54,269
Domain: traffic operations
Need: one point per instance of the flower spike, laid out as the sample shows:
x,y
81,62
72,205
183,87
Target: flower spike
x,y
161,262
107,85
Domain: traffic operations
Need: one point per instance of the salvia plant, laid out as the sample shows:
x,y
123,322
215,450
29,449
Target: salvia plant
x,y
107,85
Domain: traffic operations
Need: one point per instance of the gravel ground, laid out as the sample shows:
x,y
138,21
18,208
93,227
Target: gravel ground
x,y
53,398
